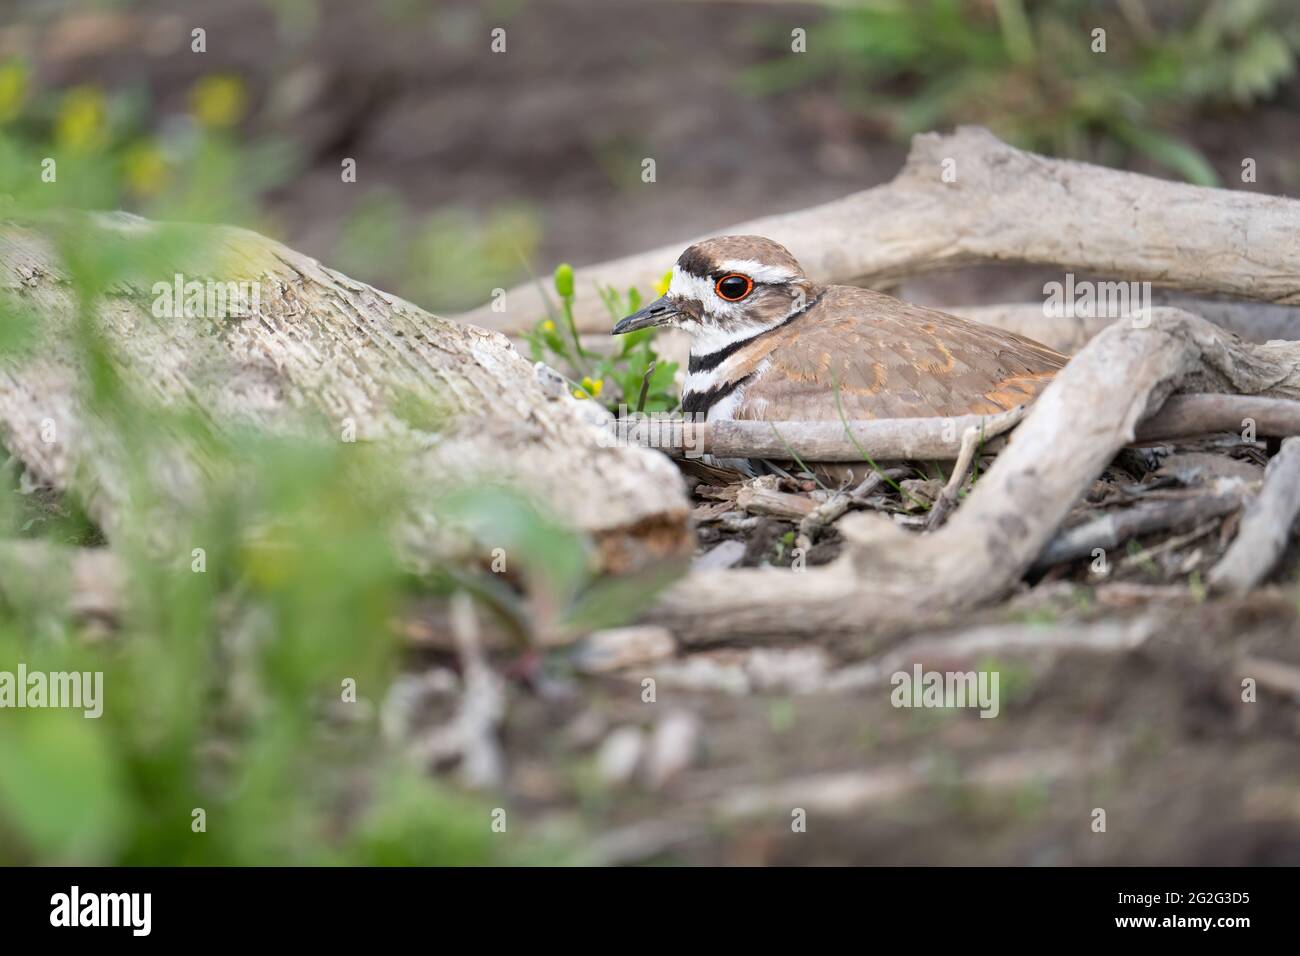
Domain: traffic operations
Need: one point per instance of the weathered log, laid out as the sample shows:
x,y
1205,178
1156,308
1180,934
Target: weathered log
x,y
1003,206
319,354
940,439
883,439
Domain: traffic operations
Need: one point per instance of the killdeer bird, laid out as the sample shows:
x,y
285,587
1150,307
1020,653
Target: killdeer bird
x,y
767,343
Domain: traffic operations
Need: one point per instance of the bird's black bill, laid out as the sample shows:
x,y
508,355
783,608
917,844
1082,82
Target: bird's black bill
x,y
656,313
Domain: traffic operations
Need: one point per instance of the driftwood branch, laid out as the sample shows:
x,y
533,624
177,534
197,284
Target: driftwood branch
x,y
1187,416
1265,526
883,439
1111,530
1005,206
940,439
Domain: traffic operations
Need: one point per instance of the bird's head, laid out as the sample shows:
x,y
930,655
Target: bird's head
x,y
728,288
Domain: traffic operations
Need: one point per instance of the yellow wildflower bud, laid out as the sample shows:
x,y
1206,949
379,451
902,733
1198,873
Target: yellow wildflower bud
x,y
80,123
218,101
13,89
564,280
145,169
661,287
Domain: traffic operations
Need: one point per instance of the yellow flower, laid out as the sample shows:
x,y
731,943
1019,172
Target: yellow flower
x,y
661,287
145,169
548,326
268,561
80,123
218,100
579,393
13,89
592,388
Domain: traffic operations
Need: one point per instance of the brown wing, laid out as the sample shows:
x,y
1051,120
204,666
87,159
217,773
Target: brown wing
x,y
894,360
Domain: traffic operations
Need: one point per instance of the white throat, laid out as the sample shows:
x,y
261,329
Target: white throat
x,y
707,337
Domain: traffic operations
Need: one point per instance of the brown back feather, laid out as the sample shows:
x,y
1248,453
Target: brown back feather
x,y
893,360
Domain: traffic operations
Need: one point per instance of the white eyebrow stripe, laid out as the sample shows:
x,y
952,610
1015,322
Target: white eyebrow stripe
x,y
758,271
686,286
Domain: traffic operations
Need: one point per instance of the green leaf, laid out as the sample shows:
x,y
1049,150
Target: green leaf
x,y
1181,157
60,787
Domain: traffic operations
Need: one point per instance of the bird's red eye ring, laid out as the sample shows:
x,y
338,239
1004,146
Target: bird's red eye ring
x,y
733,287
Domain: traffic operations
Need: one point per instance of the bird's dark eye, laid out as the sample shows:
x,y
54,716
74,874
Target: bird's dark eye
x,y
733,287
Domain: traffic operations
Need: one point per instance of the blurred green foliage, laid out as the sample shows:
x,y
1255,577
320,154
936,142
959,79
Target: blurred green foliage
x,y
223,687
83,148
448,258
1028,70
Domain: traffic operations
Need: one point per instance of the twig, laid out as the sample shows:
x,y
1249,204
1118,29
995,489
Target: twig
x,y
1171,544
1110,530
797,459
482,704
1265,526
778,504
1279,677
829,511
645,385
971,439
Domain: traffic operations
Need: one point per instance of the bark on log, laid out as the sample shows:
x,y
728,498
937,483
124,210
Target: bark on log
x,y
1006,206
320,351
